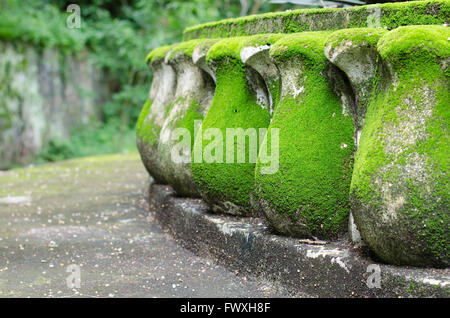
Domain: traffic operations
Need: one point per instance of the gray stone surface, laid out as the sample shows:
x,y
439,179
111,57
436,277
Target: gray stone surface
x,y
259,59
161,95
193,96
93,213
358,60
317,268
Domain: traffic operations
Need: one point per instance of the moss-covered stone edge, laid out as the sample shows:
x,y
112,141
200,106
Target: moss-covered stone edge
x,y
158,54
392,16
358,36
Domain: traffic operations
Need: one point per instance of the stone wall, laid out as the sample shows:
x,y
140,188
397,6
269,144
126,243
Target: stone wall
x,y
44,94
350,121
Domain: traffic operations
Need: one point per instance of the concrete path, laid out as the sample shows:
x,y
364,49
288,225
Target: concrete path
x,y
90,217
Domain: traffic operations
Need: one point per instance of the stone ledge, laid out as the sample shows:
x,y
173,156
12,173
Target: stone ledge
x,y
334,269
388,16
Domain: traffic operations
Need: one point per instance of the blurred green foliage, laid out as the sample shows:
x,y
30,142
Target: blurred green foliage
x,y
98,138
38,23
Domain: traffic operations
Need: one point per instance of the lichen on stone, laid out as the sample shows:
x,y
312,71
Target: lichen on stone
x,y
186,47
140,129
360,36
158,53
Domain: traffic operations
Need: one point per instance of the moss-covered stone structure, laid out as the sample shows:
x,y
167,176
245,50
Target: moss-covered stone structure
x,y
351,105
307,196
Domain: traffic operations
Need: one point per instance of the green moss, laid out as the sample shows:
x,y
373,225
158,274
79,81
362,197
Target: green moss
x,y
261,39
362,36
315,144
231,48
144,113
192,114
188,47
149,132
238,26
228,48
171,106
307,45
206,44
274,87
158,53
146,129
415,13
392,15
419,99
234,106
418,40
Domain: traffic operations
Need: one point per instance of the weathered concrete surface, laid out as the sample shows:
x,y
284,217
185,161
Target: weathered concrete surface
x,y
93,213
333,269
